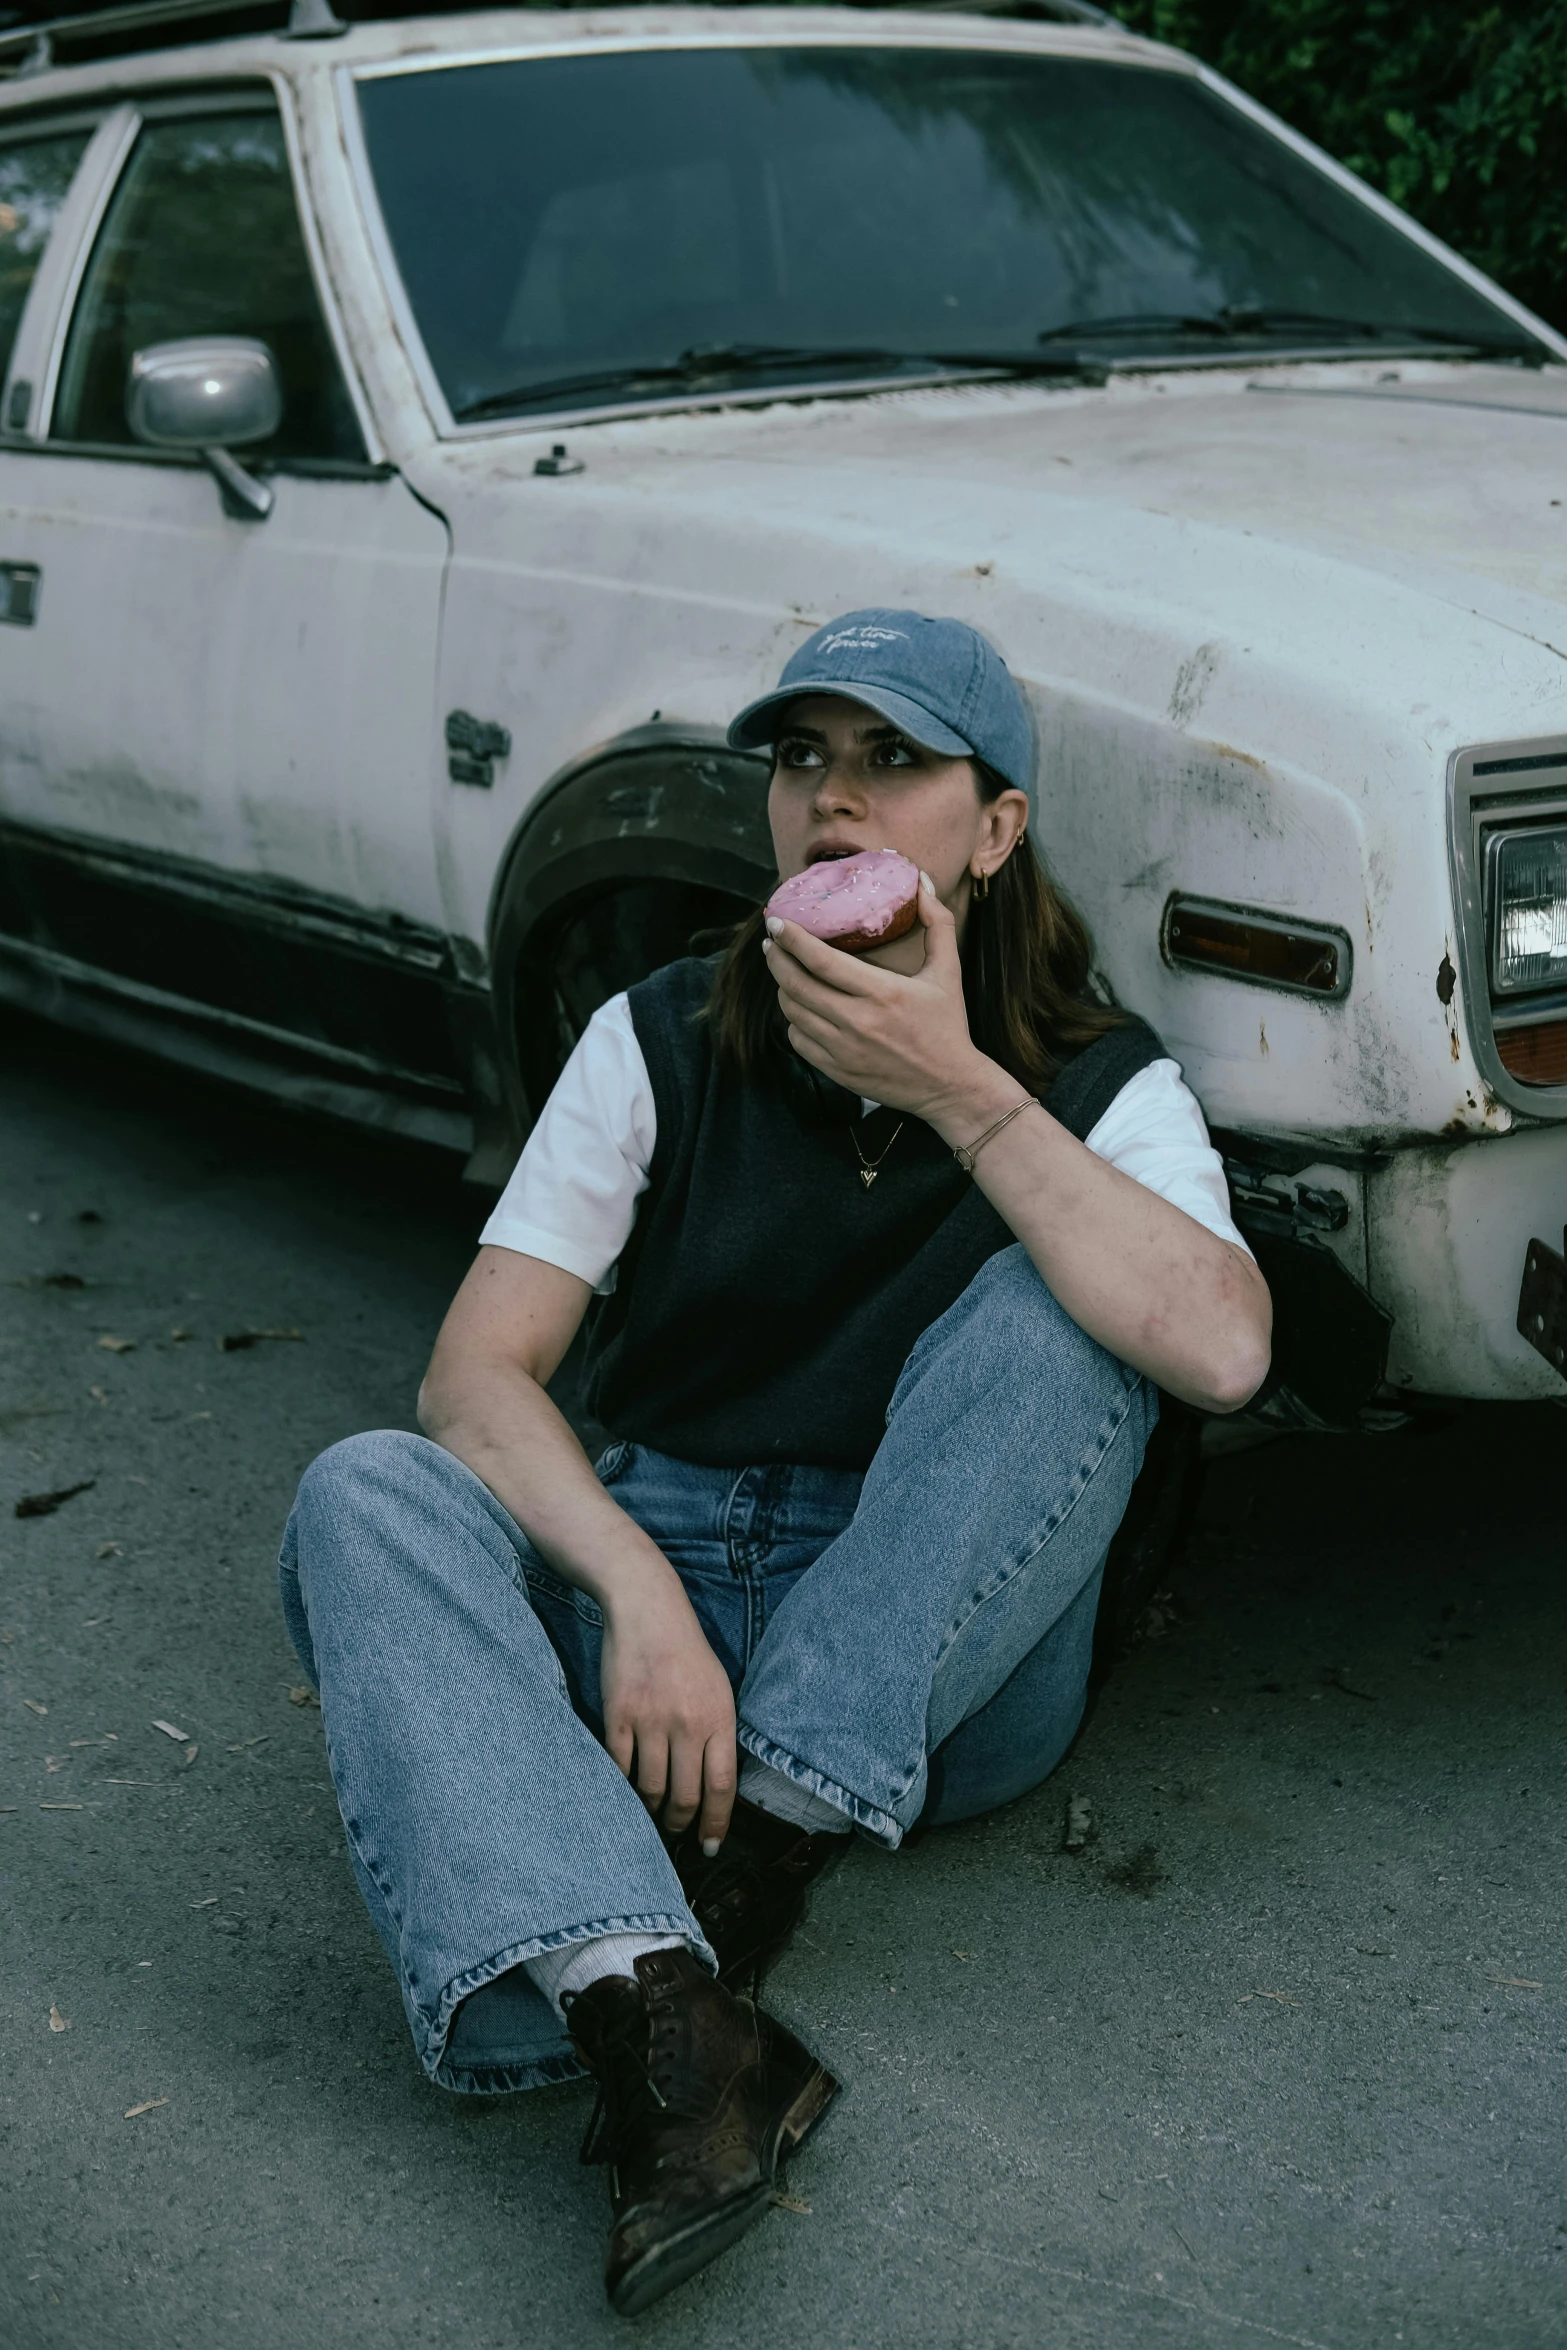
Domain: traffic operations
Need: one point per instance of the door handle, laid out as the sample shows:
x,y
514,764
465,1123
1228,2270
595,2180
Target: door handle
x,y
19,593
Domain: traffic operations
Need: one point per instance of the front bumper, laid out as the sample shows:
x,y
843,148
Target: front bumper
x,y
1448,1232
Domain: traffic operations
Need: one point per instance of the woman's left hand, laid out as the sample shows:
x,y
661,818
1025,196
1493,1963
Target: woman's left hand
x,y
902,1041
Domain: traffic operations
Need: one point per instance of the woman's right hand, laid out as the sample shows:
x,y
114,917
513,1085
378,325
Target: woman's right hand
x,y
669,1714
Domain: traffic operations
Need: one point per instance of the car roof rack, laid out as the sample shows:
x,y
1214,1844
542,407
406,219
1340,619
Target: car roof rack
x,y
34,38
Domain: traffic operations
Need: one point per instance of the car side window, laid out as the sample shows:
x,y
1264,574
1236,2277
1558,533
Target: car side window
x,y
203,238
34,177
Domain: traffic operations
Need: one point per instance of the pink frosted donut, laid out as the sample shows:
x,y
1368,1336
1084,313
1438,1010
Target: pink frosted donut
x,y
851,902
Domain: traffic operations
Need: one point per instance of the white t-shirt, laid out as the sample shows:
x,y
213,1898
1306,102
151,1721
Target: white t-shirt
x,y
572,1198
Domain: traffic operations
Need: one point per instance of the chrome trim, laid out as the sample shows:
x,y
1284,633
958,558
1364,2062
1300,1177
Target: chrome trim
x,y
1262,918
119,134
1549,1012
1487,782
1113,40
34,355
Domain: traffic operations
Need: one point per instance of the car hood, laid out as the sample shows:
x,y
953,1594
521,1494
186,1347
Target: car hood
x,y
1449,478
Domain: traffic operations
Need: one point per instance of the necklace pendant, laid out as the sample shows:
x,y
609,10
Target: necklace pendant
x,y
867,1176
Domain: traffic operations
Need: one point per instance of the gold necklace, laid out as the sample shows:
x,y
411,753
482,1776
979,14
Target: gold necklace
x,y
868,1167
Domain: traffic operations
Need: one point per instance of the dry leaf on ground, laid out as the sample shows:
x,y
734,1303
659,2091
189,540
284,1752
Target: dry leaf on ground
x,y
34,1707
793,2203
151,2106
117,1346
181,1737
57,2022
303,1694
111,1550
191,1753
44,1505
211,1902
1518,1982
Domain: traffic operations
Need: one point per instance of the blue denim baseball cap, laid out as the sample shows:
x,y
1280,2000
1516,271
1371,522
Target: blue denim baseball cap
x,y
936,680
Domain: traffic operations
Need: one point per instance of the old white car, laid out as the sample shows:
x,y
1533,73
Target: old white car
x,y
419,437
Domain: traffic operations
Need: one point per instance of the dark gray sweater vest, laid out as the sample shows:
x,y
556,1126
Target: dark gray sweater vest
x,y
768,1299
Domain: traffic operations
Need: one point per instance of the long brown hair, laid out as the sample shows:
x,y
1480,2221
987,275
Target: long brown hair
x,y
1027,965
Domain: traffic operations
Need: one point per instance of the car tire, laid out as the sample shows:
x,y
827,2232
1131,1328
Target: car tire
x,y
652,850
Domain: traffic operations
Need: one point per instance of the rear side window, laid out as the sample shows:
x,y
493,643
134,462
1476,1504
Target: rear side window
x,y
203,238
34,177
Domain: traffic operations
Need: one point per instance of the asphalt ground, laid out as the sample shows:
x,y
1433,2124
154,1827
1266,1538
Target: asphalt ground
x,y
1276,2058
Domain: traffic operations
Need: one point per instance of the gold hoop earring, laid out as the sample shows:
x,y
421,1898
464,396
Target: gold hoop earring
x,y
981,885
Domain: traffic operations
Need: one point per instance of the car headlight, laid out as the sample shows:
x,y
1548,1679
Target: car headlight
x,y
1526,900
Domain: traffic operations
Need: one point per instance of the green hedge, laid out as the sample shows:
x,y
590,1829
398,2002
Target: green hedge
x,y
1456,111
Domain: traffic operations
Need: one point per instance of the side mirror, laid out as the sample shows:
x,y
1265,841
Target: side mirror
x,y
213,393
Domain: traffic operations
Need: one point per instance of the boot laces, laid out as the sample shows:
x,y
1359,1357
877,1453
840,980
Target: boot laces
x,y
620,2052
735,1883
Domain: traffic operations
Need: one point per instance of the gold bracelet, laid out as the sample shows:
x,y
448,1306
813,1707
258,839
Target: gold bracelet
x,y
966,1154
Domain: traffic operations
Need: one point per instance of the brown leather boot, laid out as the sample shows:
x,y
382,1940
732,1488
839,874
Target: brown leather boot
x,y
701,2098
749,1899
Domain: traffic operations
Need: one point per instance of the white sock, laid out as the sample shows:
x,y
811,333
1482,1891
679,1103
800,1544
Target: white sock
x,y
577,1964
775,1792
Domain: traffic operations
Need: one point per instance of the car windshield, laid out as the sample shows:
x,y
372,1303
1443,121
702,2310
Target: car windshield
x,y
581,231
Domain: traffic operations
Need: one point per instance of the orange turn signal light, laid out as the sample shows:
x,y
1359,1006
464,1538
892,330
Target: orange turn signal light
x,y
1269,950
1536,1054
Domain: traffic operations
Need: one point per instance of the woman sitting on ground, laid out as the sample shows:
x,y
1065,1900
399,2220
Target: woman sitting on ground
x,y
886,1257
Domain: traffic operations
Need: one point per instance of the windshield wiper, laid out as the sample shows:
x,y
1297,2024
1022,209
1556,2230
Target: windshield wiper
x,y
1243,322
713,363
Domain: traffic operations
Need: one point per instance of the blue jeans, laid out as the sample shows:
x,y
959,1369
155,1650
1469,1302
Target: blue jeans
x,y
913,1644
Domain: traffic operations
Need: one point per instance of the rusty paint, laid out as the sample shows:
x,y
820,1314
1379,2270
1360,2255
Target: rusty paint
x,y
1452,1045
1242,758
1446,981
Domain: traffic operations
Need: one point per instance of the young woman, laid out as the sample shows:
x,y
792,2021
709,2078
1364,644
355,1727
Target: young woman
x,y
886,1257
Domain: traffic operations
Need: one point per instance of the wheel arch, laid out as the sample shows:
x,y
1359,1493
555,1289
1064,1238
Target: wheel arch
x,y
666,804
